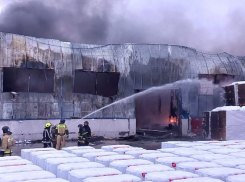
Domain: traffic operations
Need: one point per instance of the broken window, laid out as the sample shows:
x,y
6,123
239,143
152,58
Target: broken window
x,y
15,80
100,83
107,84
41,80
28,80
84,82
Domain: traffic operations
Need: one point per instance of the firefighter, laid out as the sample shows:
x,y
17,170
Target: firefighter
x,y
80,141
86,132
46,136
7,142
53,136
62,133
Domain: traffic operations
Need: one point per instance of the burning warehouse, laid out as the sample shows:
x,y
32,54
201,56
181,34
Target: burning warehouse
x,y
50,79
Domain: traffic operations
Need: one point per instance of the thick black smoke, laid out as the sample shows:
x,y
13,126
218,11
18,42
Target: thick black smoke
x,y
216,26
72,20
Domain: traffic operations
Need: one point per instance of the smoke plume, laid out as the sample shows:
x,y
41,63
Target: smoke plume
x,y
209,25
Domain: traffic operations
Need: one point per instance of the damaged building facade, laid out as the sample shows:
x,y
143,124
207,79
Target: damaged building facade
x,y
55,79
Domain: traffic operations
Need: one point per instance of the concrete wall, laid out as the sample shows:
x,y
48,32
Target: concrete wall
x,y
32,129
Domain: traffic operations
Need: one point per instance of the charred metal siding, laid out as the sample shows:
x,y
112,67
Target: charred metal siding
x,y
141,66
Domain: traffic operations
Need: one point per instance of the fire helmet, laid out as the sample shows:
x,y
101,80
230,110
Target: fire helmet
x,y
5,129
48,125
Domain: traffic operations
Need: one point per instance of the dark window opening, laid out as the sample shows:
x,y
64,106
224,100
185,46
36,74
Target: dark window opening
x,y
84,82
28,80
100,83
107,84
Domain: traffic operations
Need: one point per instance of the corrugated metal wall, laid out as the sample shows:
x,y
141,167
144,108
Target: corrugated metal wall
x,y
141,66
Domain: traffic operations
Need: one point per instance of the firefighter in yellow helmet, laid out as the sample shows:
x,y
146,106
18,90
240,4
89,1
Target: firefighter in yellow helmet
x,y
47,136
7,142
62,133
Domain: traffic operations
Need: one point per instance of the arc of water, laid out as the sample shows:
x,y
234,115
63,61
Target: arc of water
x,y
175,85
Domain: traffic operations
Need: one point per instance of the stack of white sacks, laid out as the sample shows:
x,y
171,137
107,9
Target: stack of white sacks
x,y
178,161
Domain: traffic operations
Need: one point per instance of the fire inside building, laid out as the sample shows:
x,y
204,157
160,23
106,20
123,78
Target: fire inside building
x,y
51,79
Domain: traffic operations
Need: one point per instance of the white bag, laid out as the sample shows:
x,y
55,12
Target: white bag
x,y
91,156
24,176
79,175
124,164
106,160
52,163
22,168
169,176
64,169
142,170
116,178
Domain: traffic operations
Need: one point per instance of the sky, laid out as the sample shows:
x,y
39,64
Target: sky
x,y
208,25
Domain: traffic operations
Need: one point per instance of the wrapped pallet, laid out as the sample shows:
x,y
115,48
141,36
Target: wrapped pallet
x,y
206,124
33,155
64,169
115,178
169,176
25,153
93,155
48,180
194,166
141,170
235,94
25,176
233,163
53,163
154,156
78,175
124,150
69,149
8,158
211,157
21,162
228,123
219,173
17,168
236,178
122,165
137,153
203,179
110,148
174,161
80,153
106,160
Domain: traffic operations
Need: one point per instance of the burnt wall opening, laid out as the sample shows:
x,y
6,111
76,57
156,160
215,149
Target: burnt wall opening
x,y
96,83
28,80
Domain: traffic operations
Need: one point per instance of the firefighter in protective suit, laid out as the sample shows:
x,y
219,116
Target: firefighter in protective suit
x,y
84,134
53,136
62,133
7,142
47,136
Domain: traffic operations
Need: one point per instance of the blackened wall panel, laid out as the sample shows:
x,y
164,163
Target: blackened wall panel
x,y
28,80
41,80
107,84
84,82
15,80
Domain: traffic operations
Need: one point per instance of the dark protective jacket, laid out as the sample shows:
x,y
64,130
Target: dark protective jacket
x,y
87,129
46,135
84,134
53,135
